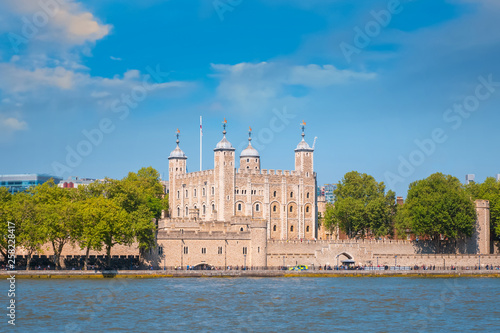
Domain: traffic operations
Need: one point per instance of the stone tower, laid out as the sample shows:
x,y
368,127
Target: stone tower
x,y
176,166
224,176
258,246
304,155
249,158
482,232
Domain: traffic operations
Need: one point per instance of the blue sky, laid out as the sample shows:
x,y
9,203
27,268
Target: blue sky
x,y
396,89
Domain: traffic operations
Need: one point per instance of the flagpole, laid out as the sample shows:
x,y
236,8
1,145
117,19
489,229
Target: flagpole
x,y
201,145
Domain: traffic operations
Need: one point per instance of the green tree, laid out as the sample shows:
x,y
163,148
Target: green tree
x,y
103,225
141,195
58,211
362,207
30,228
439,209
488,190
5,218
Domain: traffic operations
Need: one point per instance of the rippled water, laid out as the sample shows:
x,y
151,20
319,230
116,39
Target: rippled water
x,y
258,305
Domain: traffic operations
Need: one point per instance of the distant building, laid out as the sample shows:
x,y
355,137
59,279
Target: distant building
x,y
74,182
469,178
22,182
327,192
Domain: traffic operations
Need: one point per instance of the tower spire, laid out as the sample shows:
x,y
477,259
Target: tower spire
x,y
250,136
224,125
178,133
303,124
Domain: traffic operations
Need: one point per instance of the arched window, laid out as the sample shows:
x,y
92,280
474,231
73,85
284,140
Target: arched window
x,y
187,211
239,207
178,212
204,209
203,191
213,208
274,208
307,195
194,193
257,207
291,228
307,229
291,194
275,194
178,194
291,209
248,160
274,228
187,193
241,229
307,209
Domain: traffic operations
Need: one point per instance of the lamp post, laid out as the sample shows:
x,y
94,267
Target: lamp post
x,y
395,262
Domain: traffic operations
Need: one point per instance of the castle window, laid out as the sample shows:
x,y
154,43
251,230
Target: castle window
x,y
274,208
307,174
257,207
239,207
245,251
291,209
178,194
204,209
187,211
307,209
178,212
307,229
219,250
274,228
291,194
274,194
213,190
194,193
203,250
248,167
241,229
248,160
187,193
307,195
291,228
186,250
203,192
255,160
213,208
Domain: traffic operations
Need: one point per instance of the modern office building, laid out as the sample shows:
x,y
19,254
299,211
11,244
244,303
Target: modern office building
x,y
74,182
327,192
469,178
22,182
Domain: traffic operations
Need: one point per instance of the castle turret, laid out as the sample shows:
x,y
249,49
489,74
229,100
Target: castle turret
x,y
224,177
304,159
177,166
249,158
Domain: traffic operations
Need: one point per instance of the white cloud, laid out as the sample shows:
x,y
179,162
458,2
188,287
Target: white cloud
x,y
250,87
115,58
64,22
12,124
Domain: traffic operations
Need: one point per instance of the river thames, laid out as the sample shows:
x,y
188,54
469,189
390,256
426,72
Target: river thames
x,y
258,305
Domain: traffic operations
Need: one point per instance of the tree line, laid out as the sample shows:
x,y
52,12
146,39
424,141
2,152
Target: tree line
x,y
93,217
438,208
